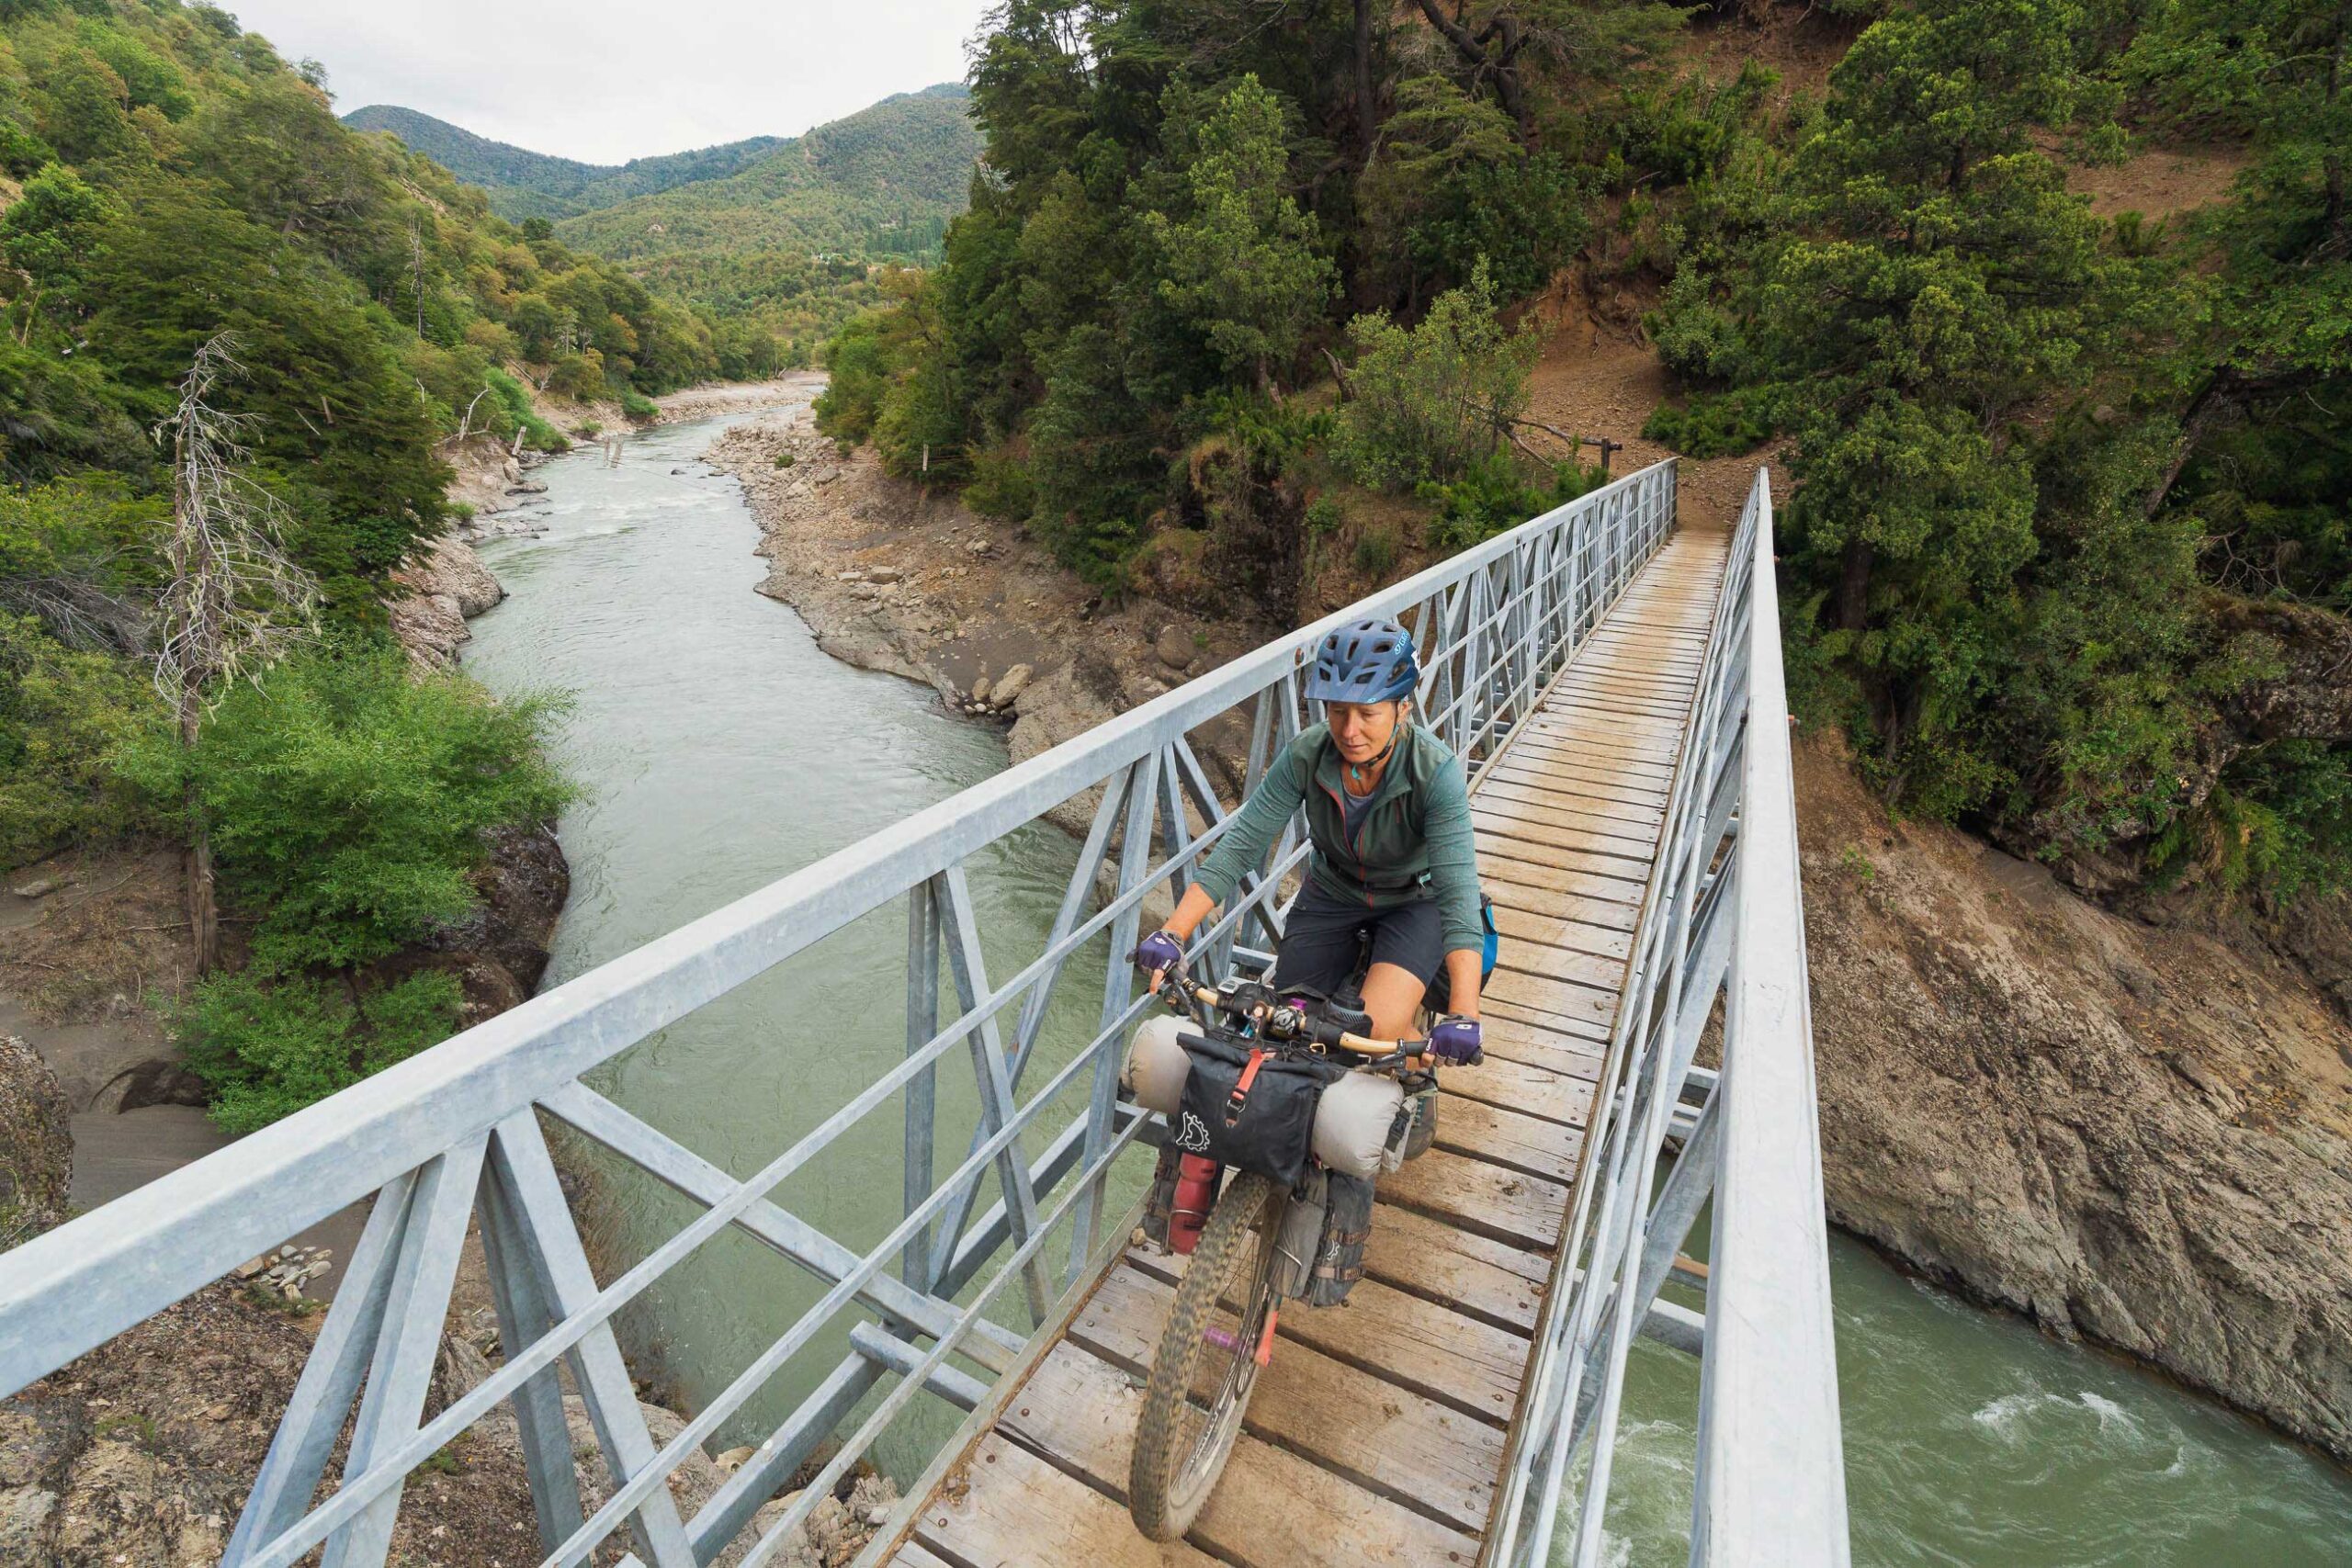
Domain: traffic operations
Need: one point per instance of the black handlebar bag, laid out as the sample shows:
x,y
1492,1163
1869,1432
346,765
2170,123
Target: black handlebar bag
x,y
1250,1108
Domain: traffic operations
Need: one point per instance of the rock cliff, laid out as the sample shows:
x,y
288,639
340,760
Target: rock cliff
x,y
2136,1134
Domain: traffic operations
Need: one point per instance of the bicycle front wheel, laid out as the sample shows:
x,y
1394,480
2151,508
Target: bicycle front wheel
x,y
1207,1363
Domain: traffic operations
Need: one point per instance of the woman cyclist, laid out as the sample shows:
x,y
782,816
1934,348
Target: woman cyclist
x,y
1393,861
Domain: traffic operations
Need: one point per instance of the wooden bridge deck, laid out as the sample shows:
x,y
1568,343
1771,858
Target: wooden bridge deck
x,y
1376,1434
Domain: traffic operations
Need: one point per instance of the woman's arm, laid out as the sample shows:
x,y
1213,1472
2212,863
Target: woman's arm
x,y
1454,873
1255,827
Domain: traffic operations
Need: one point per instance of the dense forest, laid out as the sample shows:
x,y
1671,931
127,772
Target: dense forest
x,y
240,340
2067,554
524,184
780,248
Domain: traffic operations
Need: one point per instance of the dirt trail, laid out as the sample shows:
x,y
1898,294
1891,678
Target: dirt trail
x,y
1600,378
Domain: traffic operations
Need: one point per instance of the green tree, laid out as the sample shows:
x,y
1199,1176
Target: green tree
x,y
1432,402
349,801
48,236
1920,274
1240,266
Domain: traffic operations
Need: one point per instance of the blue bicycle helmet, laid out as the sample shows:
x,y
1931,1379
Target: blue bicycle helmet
x,y
1370,662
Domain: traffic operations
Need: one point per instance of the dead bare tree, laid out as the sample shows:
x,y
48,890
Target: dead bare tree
x,y
235,601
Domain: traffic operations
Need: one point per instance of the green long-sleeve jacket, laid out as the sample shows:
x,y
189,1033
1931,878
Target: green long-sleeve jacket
x,y
1415,840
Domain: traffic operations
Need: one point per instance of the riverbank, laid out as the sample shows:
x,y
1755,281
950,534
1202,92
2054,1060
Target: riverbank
x,y
892,577
494,495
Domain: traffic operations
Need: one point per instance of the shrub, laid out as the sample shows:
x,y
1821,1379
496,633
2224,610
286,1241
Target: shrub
x,y
1714,425
640,407
1495,494
1377,551
63,715
580,376
1426,404
267,1048
1000,486
515,400
784,459
349,802
1323,516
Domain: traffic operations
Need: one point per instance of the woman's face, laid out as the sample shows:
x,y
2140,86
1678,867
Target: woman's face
x,y
1362,730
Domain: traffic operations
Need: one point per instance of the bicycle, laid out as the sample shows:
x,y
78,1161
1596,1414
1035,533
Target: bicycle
x,y
1220,1331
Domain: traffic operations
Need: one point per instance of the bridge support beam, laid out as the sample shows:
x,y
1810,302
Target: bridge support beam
x,y
880,1345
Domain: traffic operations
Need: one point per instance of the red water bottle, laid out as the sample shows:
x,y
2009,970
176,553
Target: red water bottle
x,y
1196,1179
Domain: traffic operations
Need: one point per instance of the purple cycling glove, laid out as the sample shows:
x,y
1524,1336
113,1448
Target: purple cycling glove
x,y
1157,951
1455,1040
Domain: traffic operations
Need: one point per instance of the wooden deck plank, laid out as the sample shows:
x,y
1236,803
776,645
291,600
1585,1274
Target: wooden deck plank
x,y
1515,922
1564,795
1559,961
1454,1268
1550,1094
1559,824
1560,998
1506,1138
1007,1506
1528,851
1384,1438
1443,1355
1272,1509
1508,1205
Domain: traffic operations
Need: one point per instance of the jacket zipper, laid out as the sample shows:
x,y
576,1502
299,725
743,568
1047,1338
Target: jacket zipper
x,y
1363,873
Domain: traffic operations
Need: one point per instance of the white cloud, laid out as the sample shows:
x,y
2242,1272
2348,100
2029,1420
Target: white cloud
x,y
610,80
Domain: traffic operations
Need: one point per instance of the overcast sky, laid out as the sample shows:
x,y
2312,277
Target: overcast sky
x,y
610,80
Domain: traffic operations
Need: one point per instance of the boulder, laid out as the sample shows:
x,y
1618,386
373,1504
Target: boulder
x,y
1174,649
1008,687
36,1144
883,574
980,692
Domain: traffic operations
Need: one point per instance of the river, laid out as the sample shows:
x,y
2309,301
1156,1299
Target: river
x,y
720,748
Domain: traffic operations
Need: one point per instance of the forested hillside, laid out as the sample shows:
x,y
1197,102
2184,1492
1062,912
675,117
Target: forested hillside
x,y
524,184
772,238
783,247
2068,553
240,339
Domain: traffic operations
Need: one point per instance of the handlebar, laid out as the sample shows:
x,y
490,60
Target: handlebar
x,y
1384,1053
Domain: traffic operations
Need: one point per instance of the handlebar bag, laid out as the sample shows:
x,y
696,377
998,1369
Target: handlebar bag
x,y
1250,1109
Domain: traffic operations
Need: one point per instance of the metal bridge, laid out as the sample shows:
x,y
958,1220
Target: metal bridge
x,y
1614,682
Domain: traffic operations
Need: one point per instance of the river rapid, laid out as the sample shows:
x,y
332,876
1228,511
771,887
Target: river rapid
x,y
718,749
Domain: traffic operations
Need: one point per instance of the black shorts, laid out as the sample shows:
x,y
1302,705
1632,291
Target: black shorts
x,y
1325,937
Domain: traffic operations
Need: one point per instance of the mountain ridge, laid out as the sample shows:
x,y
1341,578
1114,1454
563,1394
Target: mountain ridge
x,y
526,184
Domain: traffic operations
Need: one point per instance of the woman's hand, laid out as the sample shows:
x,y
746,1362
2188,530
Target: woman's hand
x,y
1158,952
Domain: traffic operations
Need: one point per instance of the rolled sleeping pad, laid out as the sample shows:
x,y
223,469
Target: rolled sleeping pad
x,y
1352,1122
1157,1065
